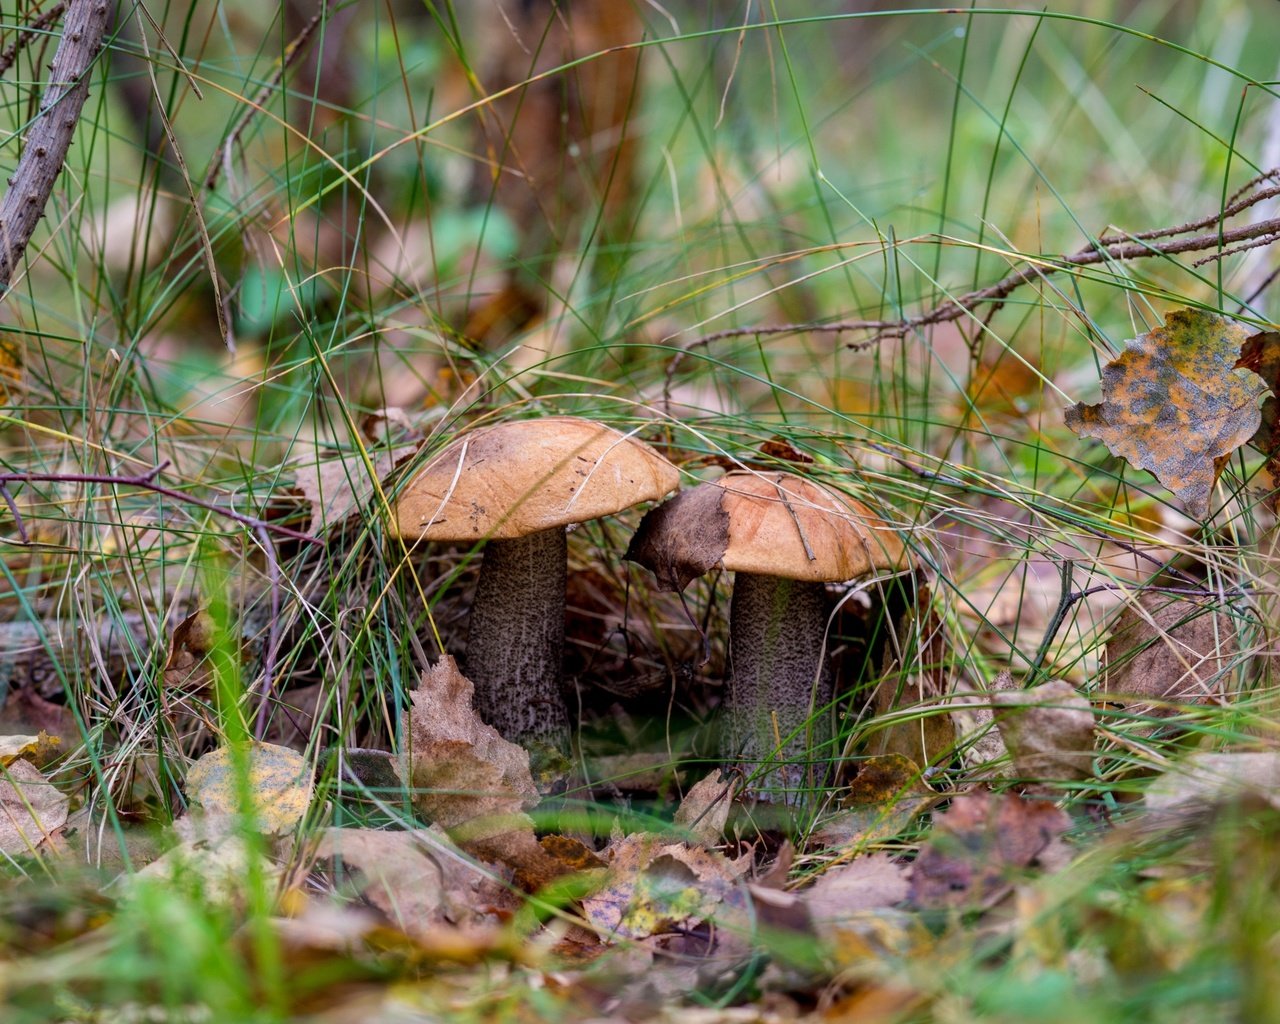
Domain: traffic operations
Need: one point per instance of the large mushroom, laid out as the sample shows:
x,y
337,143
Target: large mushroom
x,y
517,486
785,538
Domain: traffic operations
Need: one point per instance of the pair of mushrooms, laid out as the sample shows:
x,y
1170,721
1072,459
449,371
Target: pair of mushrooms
x,y
518,485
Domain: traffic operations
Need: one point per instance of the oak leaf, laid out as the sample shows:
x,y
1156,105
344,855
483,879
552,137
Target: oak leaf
x,y
1177,403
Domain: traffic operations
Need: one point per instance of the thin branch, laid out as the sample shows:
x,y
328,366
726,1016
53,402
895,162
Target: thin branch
x,y
145,481
49,135
1108,249
28,33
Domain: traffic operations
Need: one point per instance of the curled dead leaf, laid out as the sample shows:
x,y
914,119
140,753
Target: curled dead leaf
x,y
677,557
1048,730
469,780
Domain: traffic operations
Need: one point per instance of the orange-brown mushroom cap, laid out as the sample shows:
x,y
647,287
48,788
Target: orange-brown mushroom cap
x,y
518,478
786,526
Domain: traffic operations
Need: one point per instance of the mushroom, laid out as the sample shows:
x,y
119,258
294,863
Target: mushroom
x,y
516,486
784,537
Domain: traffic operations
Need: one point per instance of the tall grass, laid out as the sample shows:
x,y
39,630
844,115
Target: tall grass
x,y
850,163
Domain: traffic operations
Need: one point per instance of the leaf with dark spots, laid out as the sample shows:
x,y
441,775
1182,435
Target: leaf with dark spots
x,y
1177,402
679,556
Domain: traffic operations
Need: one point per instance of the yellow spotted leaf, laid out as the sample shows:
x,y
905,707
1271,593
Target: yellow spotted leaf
x,y
1176,403
279,781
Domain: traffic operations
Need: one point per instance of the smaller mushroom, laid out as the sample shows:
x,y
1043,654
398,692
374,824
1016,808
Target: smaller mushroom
x,y
784,537
517,486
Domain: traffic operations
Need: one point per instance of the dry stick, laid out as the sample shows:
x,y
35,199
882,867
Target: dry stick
x,y
28,34
50,134
954,309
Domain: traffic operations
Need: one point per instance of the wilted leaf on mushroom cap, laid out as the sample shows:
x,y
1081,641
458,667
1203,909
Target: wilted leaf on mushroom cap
x,y
280,784
1175,402
683,538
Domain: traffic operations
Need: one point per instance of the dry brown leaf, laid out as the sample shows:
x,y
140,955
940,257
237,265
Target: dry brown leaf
x,y
337,487
1177,402
1048,730
653,886
677,557
980,846
39,749
417,878
1168,650
469,780
985,749
705,808
865,883
885,796
1261,354
213,870
31,808
280,784
1208,777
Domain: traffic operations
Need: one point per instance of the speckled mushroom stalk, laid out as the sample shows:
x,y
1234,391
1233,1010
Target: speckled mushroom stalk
x,y
515,487
779,682
515,645
784,538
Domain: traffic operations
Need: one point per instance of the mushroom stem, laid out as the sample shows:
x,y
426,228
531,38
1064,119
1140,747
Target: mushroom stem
x,y
776,629
516,639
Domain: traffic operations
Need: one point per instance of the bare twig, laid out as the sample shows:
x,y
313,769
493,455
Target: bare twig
x,y
147,482
28,33
50,134
1107,249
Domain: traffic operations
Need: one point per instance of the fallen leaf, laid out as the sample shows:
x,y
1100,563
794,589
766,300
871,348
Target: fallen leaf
x,y
1176,402
1048,730
339,486
35,749
469,780
985,748
704,810
927,730
193,638
417,878
982,844
677,557
213,871
864,883
1168,650
1209,777
653,886
31,808
883,799
280,783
